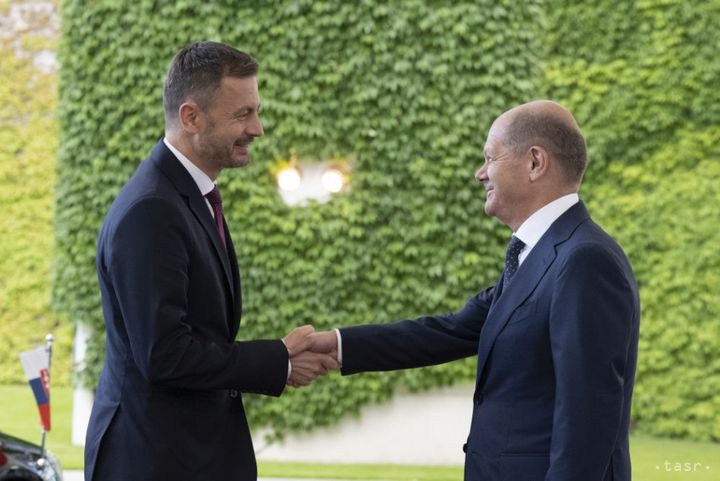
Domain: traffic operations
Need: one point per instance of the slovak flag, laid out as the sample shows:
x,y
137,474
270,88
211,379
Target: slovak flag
x,y
36,364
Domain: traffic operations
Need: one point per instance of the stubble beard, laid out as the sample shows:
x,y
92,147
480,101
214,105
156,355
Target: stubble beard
x,y
218,154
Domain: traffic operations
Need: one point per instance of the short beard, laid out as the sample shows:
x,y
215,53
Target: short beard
x,y
217,153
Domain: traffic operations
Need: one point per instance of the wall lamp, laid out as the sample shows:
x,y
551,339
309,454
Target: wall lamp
x,y
299,181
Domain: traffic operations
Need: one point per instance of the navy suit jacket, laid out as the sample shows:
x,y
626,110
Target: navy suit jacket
x,y
167,404
556,359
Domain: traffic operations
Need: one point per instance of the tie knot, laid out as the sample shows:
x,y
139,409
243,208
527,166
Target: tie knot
x,y
214,198
514,247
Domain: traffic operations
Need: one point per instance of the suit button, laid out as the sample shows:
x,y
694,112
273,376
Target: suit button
x,y
478,398
233,393
465,448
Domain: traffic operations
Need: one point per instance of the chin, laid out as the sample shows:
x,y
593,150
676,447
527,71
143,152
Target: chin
x,y
489,210
238,162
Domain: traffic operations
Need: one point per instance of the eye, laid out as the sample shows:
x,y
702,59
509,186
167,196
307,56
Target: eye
x,y
242,114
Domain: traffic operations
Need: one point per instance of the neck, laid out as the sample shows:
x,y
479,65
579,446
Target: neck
x,y
536,204
185,146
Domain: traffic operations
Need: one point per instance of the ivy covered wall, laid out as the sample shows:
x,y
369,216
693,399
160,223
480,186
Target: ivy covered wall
x,y
406,91
642,79
28,142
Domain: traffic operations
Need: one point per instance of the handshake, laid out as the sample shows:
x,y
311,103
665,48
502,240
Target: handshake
x,y
312,354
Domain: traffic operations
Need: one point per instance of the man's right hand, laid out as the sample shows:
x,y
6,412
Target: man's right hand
x,y
308,365
311,354
298,341
325,342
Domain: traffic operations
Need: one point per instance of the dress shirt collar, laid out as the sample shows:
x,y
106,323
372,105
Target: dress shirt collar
x,y
204,183
537,224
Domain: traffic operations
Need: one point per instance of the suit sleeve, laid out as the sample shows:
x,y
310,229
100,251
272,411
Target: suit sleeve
x,y
415,343
593,315
148,265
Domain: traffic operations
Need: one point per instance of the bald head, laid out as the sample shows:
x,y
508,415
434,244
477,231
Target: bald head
x,y
549,125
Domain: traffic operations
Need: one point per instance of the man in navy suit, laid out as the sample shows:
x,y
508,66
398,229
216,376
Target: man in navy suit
x,y
556,337
168,403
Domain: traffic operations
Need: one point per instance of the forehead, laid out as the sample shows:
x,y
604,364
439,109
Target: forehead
x,y
238,92
496,135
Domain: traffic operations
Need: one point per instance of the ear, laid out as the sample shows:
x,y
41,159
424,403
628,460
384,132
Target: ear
x,y
539,163
190,117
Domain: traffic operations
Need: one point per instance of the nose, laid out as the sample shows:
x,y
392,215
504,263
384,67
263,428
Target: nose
x,y
481,174
255,128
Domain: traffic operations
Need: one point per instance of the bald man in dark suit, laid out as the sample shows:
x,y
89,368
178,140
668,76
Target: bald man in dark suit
x,y
556,337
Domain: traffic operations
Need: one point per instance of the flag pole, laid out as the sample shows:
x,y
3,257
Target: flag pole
x,y
49,340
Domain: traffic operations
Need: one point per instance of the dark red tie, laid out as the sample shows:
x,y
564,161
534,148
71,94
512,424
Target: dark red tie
x,y
216,202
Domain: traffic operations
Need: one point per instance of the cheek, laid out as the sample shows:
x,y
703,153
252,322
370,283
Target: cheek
x,y
496,177
225,136
236,132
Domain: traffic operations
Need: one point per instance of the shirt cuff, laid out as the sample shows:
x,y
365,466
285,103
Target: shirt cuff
x,y
339,346
289,363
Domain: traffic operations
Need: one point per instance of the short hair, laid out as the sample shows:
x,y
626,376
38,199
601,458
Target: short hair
x,y
196,72
564,142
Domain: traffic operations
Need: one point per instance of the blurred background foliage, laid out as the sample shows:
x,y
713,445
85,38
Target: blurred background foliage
x,y
28,145
641,78
406,91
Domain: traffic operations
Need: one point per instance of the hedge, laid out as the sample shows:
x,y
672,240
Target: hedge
x,y
406,91
666,223
28,142
642,78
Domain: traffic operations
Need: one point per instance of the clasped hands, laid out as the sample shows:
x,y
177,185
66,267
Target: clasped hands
x,y
312,354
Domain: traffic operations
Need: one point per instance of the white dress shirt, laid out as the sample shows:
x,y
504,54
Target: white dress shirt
x,y
537,224
529,232
205,184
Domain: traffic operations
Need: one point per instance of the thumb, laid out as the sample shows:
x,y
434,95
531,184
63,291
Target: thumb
x,y
305,330
297,341
299,332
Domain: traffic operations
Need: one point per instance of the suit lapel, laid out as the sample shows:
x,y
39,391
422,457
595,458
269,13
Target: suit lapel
x,y
199,208
186,186
498,289
237,299
527,277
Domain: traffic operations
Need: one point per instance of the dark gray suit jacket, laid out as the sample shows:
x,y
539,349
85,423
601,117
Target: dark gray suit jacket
x,y
168,403
556,359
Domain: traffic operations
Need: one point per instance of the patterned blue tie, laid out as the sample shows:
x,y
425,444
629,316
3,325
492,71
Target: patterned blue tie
x,y
511,260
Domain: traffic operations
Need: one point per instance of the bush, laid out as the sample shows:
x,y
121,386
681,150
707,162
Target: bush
x,y
406,92
642,77
28,141
660,211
